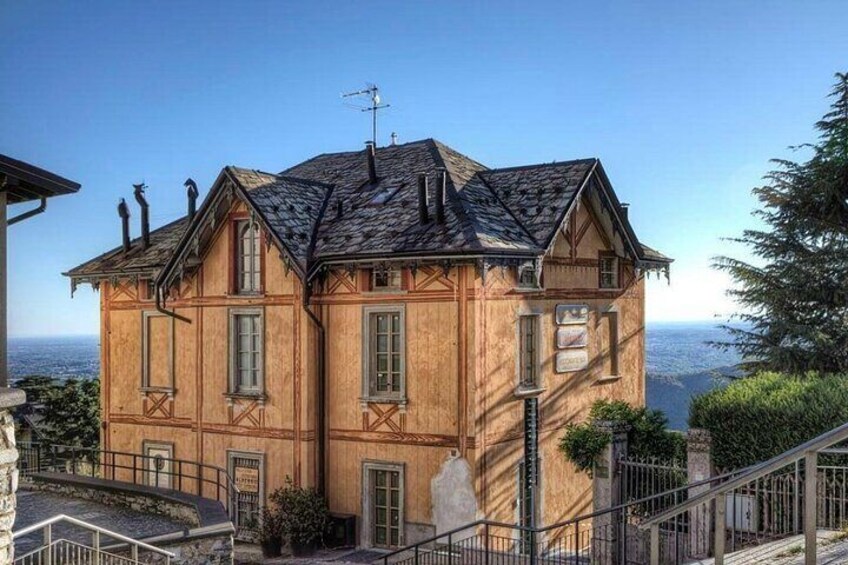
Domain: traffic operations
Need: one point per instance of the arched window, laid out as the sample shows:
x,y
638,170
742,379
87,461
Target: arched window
x,y
248,261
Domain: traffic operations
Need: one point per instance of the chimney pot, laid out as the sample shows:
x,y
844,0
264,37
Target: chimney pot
x,y
124,213
370,159
394,138
423,214
441,179
339,208
145,213
191,186
625,208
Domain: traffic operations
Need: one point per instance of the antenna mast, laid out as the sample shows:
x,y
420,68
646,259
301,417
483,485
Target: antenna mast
x,y
373,92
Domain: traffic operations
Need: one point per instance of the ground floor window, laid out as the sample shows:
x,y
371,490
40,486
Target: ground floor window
x,y
383,504
246,470
158,464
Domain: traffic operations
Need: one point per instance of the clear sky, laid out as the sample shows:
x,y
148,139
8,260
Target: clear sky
x,y
684,102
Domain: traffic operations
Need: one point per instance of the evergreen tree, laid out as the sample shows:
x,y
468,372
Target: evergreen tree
x,y
794,296
72,413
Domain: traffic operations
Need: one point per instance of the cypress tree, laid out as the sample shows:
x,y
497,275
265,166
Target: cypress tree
x,y
794,294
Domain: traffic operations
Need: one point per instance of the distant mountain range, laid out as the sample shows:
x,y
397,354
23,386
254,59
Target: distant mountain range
x,y
679,363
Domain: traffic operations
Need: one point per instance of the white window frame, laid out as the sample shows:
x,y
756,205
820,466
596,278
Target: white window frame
x,y
520,387
255,257
366,533
146,315
234,388
367,367
259,456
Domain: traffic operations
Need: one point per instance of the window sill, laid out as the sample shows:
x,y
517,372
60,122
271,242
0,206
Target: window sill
x,y
386,292
528,392
528,289
608,379
261,396
170,390
382,400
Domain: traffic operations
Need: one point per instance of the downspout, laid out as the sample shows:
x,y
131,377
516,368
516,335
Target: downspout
x,y
322,399
29,214
160,305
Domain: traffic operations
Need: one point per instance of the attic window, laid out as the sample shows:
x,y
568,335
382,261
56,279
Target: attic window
x,y
385,194
385,279
608,271
527,277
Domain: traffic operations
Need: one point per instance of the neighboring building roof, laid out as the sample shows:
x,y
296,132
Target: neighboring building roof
x,y
512,212
32,183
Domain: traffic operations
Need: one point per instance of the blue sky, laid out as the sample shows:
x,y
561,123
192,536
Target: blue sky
x,y
684,103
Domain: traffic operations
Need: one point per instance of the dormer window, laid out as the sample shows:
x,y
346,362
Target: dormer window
x,y
385,279
248,259
608,275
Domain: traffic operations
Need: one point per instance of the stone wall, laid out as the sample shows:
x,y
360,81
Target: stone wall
x,y
68,485
215,550
9,399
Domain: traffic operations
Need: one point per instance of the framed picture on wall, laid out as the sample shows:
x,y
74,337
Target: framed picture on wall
x,y
572,336
572,314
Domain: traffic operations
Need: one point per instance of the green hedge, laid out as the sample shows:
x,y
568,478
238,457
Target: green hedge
x,y
758,417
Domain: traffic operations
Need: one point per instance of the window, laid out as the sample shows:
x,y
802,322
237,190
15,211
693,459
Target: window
x,y
608,271
610,321
157,351
527,277
246,359
248,257
528,342
385,279
384,353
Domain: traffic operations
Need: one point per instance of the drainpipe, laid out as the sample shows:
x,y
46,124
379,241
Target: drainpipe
x,y
322,400
160,305
29,214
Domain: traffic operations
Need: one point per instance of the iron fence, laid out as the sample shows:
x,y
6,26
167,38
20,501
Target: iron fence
x,y
191,477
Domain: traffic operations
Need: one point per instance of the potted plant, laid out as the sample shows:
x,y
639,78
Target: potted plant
x,y
304,517
270,533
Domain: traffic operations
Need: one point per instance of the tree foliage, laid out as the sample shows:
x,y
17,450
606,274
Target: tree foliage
x,y
70,409
794,296
756,418
647,434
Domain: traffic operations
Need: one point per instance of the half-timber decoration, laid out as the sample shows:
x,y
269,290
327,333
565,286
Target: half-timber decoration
x,y
311,372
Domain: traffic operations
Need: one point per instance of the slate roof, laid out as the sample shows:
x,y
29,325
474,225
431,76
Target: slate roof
x,y
513,211
163,241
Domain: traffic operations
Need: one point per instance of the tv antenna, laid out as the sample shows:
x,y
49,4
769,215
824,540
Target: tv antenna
x,y
373,92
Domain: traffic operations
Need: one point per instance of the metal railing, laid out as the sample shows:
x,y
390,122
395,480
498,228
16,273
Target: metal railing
x,y
714,502
606,537
191,477
64,551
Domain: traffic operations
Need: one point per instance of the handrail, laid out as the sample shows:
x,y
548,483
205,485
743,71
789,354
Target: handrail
x,y
105,556
569,522
85,525
753,473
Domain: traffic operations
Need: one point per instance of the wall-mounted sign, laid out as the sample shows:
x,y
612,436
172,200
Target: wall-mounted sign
x,y
247,479
572,336
571,360
572,314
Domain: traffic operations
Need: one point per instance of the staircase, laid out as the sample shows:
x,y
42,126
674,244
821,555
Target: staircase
x,y
118,549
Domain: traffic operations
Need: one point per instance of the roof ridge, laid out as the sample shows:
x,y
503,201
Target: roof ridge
x,y
456,201
507,208
570,162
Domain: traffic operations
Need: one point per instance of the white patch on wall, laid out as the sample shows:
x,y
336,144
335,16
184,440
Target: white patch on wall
x,y
452,493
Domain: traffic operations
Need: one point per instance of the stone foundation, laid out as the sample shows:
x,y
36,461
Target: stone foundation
x,y
9,399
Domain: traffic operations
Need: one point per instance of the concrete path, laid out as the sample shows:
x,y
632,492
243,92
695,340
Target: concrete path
x,y
832,549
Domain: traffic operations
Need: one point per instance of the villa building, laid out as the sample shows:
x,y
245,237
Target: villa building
x,y
395,326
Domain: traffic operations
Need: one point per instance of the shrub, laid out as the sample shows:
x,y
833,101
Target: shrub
x,y
756,418
647,436
304,515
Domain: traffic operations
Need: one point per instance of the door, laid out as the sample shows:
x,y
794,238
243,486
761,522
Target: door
x,y
386,511
159,462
